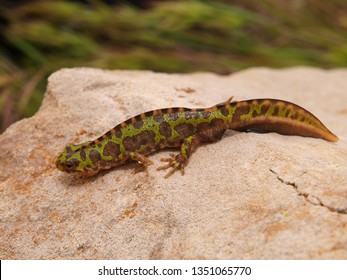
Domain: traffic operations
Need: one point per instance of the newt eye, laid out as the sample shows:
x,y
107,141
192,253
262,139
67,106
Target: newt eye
x,y
71,165
68,165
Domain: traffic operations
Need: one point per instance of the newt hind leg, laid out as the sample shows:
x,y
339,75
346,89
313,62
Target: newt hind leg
x,y
179,161
189,145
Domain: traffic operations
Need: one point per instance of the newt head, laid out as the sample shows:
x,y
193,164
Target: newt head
x,y
79,159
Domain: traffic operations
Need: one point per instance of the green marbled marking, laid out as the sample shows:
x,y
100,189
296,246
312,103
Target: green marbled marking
x,y
253,108
282,111
270,111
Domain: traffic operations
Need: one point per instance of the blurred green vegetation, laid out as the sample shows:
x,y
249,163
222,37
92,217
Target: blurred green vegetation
x,y
40,37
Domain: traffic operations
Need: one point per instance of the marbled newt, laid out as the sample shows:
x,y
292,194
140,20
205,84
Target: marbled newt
x,y
187,128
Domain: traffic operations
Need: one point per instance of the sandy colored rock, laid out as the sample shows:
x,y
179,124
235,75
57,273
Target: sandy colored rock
x,y
248,196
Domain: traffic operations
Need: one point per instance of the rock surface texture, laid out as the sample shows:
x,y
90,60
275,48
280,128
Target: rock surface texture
x,y
247,196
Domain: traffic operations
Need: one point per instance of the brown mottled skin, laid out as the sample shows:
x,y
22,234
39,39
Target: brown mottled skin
x,y
187,128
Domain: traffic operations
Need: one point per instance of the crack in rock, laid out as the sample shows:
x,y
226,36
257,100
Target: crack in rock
x,y
312,199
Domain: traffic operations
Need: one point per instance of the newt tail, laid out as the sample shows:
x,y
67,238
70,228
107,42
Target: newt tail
x,y
186,128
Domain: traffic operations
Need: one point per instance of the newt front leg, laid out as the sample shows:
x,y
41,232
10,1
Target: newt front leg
x,y
179,161
140,158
